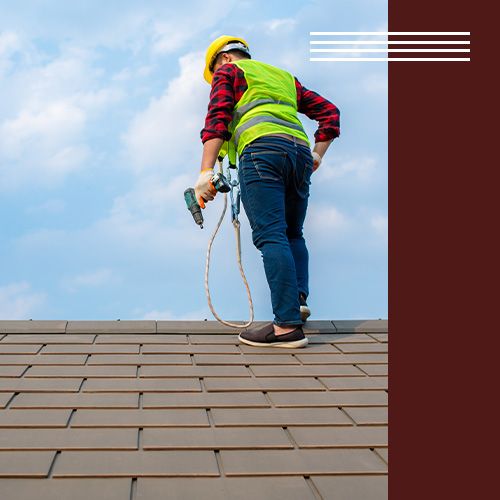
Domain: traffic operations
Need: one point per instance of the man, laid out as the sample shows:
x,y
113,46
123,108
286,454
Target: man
x,y
253,106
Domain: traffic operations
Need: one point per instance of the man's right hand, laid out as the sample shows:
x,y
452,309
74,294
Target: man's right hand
x,y
316,160
204,189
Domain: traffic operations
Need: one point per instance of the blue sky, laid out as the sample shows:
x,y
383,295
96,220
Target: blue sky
x,y
100,112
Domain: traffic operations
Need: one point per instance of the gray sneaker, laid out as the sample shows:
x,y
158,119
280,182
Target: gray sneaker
x,y
264,337
305,312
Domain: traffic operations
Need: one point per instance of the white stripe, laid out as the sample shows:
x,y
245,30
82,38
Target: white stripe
x,y
387,33
388,50
386,59
390,42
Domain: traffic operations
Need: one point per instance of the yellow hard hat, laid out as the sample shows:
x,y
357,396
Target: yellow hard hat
x,y
216,47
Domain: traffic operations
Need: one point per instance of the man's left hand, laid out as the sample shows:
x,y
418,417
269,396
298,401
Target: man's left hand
x,y
204,189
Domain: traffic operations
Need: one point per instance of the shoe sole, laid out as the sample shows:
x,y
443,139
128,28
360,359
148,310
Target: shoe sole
x,y
305,312
290,345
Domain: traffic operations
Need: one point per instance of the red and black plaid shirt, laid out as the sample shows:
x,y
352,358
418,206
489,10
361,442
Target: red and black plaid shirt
x,y
229,85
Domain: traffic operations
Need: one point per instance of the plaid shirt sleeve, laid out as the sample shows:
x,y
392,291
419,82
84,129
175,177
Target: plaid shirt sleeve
x,y
228,85
318,108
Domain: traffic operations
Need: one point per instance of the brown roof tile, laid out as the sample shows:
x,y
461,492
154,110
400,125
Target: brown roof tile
x,y
164,371
40,385
34,418
19,348
217,438
366,326
141,339
39,359
339,437
310,399
39,326
142,385
301,462
230,488
42,338
103,327
25,463
81,371
205,400
139,418
69,439
355,383
136,463
263,384
279,417
12,371
5,398
57,400
89,349
74,489
95,409
351,487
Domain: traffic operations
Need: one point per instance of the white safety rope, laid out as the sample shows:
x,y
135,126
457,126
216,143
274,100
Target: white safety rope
x,y
236,225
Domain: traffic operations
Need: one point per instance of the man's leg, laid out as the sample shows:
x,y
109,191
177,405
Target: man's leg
x,y
295,209
262,180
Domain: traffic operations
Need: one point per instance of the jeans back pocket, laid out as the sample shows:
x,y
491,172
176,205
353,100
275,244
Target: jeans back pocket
x,y
269,164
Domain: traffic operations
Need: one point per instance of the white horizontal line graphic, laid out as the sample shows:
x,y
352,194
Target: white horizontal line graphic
x,y
387,59
387,33
388,42
388,50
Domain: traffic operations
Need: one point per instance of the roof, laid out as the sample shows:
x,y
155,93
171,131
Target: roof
x,y
143,410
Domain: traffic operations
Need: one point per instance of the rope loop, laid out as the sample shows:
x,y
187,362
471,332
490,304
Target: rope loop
x,y
236,225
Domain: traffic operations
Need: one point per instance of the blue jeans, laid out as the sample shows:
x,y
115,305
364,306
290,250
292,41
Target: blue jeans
x,y
275,174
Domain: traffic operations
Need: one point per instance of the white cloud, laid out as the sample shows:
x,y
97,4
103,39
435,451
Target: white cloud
x,y
149,222
375,83
167,132
172,30
130,73
44,124
169,36
52,206
43,144
18,301
9,42
322,218
361,168
152,219
92,279
380,224
280,25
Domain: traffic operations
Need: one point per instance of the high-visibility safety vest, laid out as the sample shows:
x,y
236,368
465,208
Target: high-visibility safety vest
x,y
268,106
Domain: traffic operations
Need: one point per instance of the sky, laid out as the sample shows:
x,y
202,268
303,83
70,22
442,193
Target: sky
x,y
101,107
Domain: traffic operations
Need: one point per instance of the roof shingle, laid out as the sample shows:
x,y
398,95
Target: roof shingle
x,y
176,409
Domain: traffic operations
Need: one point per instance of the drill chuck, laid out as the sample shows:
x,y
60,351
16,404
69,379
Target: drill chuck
x,y
193,206
220,183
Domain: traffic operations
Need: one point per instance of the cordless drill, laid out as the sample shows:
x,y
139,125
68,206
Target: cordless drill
x,y
193,206
219,183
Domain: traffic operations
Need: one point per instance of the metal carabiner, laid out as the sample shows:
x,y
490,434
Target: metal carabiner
x,y
235,202
234,192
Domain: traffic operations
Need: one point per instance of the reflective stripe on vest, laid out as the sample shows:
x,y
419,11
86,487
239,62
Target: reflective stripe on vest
x,y
261,119
239,112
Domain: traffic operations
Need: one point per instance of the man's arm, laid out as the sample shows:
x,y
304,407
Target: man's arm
x,y
220,111
318,152
321,147
215,132
210,152
325,113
